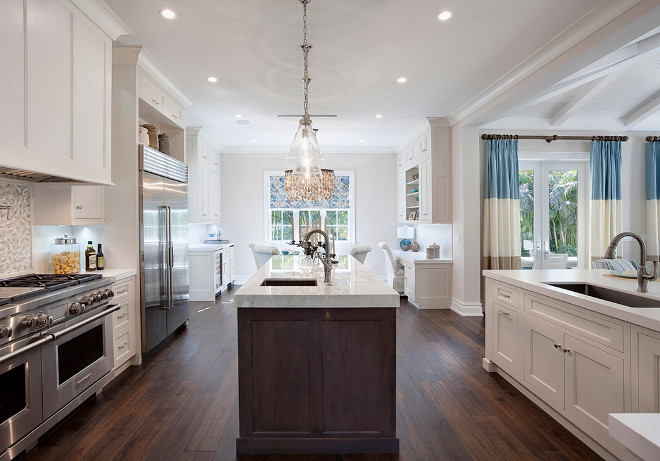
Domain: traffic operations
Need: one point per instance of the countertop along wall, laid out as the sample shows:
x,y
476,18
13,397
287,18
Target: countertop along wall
x,y
243,201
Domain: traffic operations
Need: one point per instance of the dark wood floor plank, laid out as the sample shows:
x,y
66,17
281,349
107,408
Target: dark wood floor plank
x,y
182,403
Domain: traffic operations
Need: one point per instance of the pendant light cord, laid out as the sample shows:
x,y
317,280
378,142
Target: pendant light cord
x,y
305,49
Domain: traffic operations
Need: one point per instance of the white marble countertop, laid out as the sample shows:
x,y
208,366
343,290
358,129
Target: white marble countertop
x,y
419,257
116,273
353,286
535,280
209,246
638,432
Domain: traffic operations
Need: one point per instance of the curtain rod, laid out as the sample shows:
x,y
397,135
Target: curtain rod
x,y
554,137
652,138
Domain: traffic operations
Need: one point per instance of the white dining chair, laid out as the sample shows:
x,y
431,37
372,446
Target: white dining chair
x,y
394,269
360,252
556,261
262,253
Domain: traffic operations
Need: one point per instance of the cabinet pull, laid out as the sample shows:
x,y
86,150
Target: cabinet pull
x,y
557,346
154,101
505,295
79,207
174,116
504,312
122,346
119,317
566,350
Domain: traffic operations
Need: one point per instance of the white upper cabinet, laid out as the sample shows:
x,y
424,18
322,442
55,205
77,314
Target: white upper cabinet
x,y
56,86
204,185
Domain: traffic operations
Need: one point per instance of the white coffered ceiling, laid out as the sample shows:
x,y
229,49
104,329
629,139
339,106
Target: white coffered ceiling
x,y
360,48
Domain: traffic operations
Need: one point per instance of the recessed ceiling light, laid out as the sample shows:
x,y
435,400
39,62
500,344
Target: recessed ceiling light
x,y
238,115
255,140
167,14
242,122
362,141
402,79
212,79
444,15
379,116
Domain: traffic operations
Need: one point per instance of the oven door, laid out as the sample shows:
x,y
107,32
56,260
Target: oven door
x,y
20,389
78,356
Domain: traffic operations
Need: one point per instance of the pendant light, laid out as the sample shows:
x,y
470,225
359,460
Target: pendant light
x,y
307,180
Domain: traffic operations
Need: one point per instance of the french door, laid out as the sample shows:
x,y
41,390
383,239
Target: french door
x,y
553,214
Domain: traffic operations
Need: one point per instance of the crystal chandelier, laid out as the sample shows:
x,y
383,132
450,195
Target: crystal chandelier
x,y
307,180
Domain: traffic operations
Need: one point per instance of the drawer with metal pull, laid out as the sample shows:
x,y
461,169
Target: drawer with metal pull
x,y
506,294
124,345
123,316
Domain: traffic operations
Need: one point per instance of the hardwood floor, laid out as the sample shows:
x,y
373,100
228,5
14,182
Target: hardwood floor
x,y
182,403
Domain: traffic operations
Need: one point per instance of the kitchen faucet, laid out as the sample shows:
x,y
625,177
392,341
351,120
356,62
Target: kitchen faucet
x,y
642,276
327,257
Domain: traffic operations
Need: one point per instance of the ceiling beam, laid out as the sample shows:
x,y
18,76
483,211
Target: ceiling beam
x,y
642,113
589,92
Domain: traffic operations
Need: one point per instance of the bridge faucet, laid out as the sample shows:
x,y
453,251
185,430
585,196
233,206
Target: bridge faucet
x,y
643,276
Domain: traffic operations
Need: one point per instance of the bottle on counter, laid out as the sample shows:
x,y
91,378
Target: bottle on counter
x,y
90,257
100,260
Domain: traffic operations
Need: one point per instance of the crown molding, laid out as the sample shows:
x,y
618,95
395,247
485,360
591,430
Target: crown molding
x,y
149,65
101,15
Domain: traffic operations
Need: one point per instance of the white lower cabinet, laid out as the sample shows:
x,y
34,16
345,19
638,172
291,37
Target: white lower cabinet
x,y
505,338
123,321
544,361
645,370
232,264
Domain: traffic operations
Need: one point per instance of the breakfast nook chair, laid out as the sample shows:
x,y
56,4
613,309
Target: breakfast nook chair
x,y
394,269
262,253
359,252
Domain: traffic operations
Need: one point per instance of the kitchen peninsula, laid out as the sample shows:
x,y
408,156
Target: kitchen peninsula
x,y
316,362
579,343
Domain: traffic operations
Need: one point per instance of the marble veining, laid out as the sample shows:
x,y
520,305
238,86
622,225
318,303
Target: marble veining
x,y
353,285
15,228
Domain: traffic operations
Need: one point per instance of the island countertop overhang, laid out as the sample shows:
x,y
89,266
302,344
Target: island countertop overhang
x,y
353,286
536,281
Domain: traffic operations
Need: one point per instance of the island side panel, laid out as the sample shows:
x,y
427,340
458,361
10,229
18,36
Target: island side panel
x,y
329,374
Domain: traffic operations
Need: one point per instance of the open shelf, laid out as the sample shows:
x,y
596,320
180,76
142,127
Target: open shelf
x,y
412,207
412,183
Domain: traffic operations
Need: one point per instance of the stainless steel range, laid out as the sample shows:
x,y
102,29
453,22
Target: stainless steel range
x,y
55,351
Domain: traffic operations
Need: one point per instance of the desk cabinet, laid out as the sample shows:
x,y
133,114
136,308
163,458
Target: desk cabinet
x,y
427,283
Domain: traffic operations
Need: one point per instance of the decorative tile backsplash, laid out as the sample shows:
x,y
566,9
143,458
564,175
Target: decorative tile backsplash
x,y
15,232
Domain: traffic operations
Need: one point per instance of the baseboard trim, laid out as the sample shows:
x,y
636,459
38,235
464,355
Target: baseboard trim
x,y
489,366
466,310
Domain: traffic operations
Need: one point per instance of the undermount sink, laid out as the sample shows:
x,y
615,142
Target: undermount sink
x,y
626,299
289,283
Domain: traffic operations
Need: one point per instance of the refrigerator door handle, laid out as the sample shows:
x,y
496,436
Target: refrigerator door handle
x,y
165,257
170,260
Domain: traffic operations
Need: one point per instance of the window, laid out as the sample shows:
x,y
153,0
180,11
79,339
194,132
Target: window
x,y
288,220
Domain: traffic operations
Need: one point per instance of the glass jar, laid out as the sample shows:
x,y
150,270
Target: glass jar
x,y
65,256
164,144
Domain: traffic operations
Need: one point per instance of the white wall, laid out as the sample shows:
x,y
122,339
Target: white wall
x,y
428,234
243,201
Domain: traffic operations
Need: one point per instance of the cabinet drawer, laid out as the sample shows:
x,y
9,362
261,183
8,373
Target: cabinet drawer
x,y
173,110
123,316
150,92
409,270
124,287
506,294
606,331
124,345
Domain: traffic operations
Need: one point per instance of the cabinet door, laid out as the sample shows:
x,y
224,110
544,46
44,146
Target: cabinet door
x,y
232,264
215,199
150,92
594,387
401,196
205,194
647,392
12,72
544,361
87,202
425,188
505,338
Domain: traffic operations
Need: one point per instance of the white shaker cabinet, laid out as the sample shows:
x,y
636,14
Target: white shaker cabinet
x,y
56,76
63,204
645,370
204,185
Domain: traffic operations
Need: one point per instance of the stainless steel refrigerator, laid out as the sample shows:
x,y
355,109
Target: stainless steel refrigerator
x,y
163,245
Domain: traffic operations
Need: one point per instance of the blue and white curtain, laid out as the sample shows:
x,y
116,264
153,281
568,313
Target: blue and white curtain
x,y
605,165
502,205
652,202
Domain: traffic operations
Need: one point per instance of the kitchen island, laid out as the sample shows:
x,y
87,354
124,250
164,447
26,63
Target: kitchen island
x,y
580,343
316,364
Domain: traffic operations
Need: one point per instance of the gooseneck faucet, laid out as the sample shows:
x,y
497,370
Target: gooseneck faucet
x,y
643,276
327,257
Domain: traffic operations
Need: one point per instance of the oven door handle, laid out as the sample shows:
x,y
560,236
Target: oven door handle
x,y
93,318
23,350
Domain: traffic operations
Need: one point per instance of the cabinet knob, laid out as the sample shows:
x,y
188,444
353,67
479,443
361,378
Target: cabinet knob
x,y
566,350
557,346
154,101
79,207
174,116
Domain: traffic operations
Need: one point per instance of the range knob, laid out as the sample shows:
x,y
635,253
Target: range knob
x,y
5,332
29,321
109,292
44,320
97,297
86,300
76,308
104,294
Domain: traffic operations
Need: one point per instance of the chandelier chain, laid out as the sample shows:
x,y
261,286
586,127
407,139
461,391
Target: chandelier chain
x,y
305,49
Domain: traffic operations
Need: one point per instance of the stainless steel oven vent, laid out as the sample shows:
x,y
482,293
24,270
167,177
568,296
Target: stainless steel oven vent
x,y
25,175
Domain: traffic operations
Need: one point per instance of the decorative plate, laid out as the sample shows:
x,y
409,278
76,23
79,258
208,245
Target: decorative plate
x,y
629,274
404,243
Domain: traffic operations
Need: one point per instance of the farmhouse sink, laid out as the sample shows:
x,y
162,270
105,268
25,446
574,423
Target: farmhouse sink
x,y
289,283
624,298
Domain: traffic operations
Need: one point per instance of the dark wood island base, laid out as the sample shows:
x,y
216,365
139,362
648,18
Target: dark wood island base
x,y
317,380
